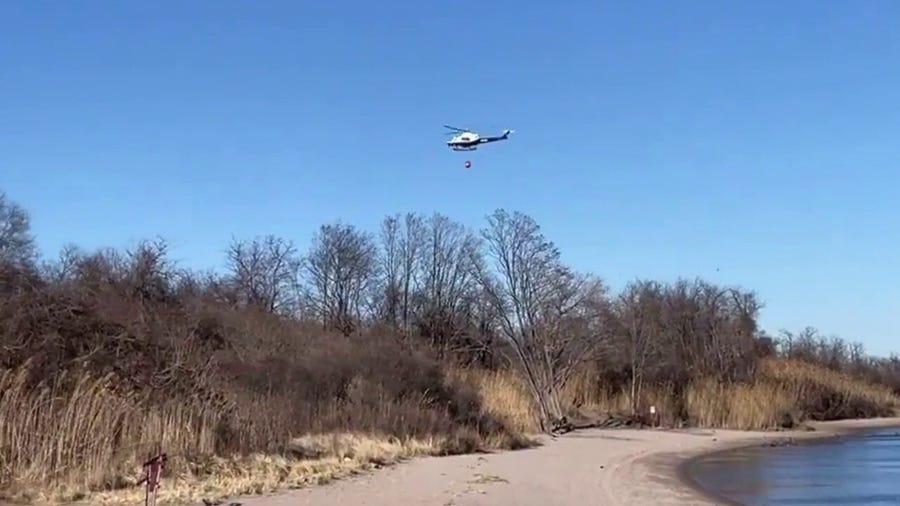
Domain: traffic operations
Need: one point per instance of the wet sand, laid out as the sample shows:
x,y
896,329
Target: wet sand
x,y
610,467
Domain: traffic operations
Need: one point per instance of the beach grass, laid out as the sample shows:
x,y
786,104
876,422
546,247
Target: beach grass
x,y
782,394
79,437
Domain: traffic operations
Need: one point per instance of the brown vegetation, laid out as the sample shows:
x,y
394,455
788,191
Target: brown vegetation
x,y
430,338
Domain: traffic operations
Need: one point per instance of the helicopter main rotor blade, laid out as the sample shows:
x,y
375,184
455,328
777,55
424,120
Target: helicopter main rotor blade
x,y
454,128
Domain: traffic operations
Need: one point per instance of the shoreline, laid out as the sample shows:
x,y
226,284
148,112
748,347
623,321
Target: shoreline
x,y
610,466
821,433
616,467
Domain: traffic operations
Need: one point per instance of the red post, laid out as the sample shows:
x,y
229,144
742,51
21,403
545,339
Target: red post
x,y
153,472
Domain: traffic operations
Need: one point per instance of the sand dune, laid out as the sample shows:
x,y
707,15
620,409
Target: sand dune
x,y
605,467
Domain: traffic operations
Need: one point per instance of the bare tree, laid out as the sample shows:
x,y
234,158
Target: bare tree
x,y
448,283
148,273
484,340
64,267
857,356
391,262
537,297
638,309
264,272
17,246
706,331
741,343
341,267
402,242
411,243
801,345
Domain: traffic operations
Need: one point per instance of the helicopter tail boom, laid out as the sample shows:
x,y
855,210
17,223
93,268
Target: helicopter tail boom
x,y
502,137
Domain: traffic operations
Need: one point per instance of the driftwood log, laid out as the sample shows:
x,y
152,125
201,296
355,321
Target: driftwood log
x,y
606,421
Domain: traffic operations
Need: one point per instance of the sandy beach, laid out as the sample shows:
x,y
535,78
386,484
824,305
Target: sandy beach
x,y
609,467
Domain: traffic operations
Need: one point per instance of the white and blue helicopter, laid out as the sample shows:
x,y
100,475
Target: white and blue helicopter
x,y
467,140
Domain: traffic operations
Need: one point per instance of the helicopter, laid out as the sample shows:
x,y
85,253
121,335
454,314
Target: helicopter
x,y
467,140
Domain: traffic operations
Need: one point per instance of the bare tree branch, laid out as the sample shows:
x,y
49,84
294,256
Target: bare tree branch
x,y
264,272
341,266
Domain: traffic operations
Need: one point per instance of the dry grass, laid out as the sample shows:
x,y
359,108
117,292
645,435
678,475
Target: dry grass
x,y
505,396
786,392
801,375
79,438
77,434
337,456
759,405
587,397
783,393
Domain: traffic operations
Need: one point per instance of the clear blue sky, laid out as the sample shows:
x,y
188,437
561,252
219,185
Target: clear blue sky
x,y
653,139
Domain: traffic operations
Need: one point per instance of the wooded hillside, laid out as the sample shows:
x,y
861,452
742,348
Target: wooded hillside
x,y
425,335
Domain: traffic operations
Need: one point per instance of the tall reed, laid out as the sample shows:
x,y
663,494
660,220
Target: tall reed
x,y
76,432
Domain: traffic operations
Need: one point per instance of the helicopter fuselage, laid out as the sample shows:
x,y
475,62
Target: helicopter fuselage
x,y
469,141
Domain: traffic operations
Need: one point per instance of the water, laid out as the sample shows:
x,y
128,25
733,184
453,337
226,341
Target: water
x,y
860,469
